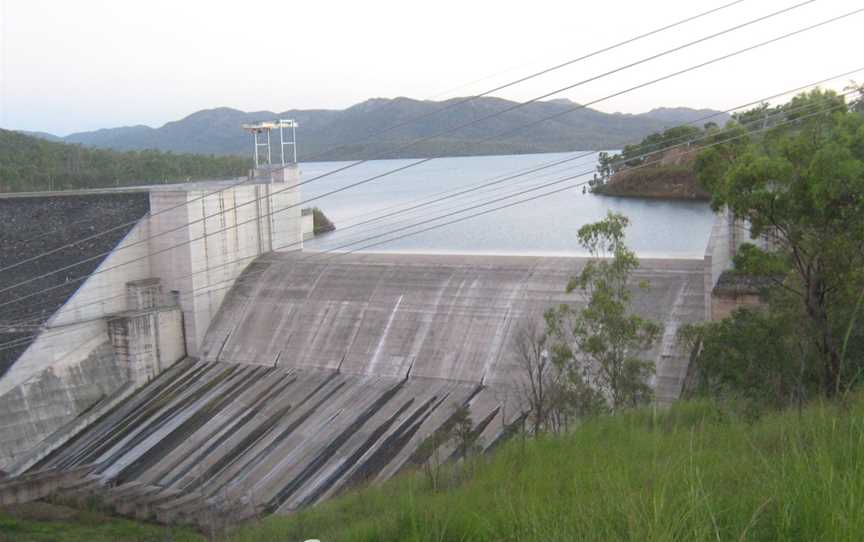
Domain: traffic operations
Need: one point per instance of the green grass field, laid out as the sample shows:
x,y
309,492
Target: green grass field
x,y
41,522
696,472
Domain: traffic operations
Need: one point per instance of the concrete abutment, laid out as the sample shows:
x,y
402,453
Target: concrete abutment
x,y
136,310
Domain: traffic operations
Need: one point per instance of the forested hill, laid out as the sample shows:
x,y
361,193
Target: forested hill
x,y
342,134
31,164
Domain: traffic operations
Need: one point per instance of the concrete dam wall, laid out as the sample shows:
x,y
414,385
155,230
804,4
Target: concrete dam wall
x,y
316,375
79,341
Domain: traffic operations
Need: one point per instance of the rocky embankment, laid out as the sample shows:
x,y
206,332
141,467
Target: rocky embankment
x,y
670,176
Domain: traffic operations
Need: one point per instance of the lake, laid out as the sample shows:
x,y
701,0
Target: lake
x,y
545,226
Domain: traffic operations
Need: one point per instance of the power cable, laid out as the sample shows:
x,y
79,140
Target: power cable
x,y
370,179
523,79
207,270
333,253
293,244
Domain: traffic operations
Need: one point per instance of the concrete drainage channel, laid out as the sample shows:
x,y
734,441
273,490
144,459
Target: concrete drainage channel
x,y
210,438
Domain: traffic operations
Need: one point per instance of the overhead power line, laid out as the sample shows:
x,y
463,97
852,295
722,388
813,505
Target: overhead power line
x,y
564,65
556,162
424,116
499,180
425,201
335,252
208,290
416,163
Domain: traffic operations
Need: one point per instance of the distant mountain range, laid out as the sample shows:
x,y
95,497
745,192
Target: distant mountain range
x,y
348,133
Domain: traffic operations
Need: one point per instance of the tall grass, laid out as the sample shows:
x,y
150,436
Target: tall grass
x,y
86,526
698,471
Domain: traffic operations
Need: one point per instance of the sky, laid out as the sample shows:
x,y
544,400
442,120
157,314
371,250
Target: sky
x,y
78,66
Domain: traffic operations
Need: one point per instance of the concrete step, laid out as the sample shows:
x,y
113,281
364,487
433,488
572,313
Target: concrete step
x,y
188,506
79,492
84,496
145,507
123,490
141,492
38,485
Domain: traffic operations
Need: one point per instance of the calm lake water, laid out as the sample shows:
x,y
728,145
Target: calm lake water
x,y
545,226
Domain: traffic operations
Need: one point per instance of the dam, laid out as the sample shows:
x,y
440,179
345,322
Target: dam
x,y
196,364
315,377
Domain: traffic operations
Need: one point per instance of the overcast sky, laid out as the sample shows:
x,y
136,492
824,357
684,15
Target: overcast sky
x,y
69,66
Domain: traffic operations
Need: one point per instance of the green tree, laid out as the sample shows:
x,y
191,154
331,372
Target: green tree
x,y
465,438
752,116
857,99
753,355
551,389
604,167
30,164
606,337
538,375
801,185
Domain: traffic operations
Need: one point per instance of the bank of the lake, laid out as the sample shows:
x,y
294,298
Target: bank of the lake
x,y
675,183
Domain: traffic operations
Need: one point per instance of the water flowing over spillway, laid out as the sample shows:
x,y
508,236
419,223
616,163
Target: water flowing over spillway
x,y
317,375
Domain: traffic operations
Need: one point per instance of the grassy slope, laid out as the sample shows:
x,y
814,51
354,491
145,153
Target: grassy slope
x,y
694,473
40,522
697,472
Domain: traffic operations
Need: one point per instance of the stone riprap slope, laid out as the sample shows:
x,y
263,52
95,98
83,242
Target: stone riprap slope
x,y
35,225
318,376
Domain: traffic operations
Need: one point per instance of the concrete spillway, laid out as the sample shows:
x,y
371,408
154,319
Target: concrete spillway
x,y
284,438
434,316
316,375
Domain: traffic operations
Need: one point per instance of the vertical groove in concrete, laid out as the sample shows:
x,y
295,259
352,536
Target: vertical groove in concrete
x,y
160,419
260,432
331,449
179,434
227,430
161,393
349,462
389,448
